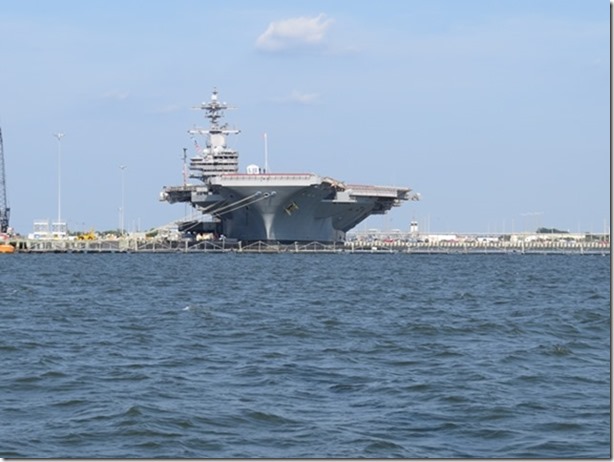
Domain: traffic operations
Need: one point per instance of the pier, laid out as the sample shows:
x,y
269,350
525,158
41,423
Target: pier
x,y
133,245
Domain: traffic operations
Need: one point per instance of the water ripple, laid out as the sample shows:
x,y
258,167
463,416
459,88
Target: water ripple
x,y
299,356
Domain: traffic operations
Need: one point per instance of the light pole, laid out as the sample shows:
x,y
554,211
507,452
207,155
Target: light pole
x,y
121,210
59,136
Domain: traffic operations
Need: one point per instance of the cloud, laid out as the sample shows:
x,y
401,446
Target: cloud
x,y
297,97
294,33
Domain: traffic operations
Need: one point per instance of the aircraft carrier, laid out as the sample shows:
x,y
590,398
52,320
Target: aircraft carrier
x,y
269,207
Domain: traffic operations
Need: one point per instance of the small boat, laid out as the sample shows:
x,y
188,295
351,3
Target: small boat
x,y
6,248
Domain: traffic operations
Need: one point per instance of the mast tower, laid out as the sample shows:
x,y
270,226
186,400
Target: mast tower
x,y
216,158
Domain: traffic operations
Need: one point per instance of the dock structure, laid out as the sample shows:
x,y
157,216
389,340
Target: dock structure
x,y
131,245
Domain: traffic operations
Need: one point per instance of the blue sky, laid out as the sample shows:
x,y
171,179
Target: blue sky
x,y
496,112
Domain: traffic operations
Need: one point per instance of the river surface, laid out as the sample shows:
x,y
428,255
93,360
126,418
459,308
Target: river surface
x,y
305,355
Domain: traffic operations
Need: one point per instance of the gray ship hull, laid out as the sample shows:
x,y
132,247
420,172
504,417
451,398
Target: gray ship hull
x,y
286,208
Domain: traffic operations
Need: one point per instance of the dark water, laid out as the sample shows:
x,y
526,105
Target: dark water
x,y
203,355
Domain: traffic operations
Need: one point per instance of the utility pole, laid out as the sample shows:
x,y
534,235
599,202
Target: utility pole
x,y
122,224
59,136
4,209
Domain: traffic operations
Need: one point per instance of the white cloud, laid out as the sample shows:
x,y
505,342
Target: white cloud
x,y
294,33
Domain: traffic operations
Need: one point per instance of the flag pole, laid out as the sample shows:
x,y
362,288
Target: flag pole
x,y
266,154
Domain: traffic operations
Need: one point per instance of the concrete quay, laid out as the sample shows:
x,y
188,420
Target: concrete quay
x,y
130,245
486,247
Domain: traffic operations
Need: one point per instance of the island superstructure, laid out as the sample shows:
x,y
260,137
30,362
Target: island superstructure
x,y
270,207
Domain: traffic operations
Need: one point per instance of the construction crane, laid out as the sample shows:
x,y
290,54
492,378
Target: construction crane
x,y
4,209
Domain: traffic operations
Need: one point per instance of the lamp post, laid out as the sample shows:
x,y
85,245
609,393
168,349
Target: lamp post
x,y
59,136
121,210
